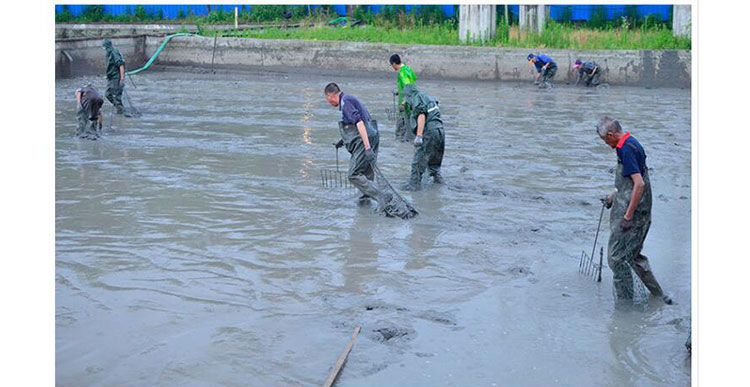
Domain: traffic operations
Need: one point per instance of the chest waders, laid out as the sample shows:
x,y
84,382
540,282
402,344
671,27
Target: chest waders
x,y
360,173
88,114
428,155
87,129
624,250
548,74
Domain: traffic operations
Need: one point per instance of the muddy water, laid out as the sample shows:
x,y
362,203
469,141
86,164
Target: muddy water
x,y
195,245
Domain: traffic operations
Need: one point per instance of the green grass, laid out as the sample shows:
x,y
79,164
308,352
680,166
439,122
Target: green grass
x,y
426,26
555,36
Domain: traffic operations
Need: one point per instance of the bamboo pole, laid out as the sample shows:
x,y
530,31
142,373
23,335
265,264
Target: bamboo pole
x,y
342,359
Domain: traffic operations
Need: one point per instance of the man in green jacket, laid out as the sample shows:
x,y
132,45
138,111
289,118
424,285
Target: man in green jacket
x,y
405,77
429,141
115,75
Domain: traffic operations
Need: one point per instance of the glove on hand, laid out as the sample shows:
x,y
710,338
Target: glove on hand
x,y
418,141
369,155
339,144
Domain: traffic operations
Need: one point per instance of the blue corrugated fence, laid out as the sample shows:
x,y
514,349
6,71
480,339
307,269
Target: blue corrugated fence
x,y
557,12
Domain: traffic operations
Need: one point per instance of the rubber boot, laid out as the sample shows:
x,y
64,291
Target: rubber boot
x,y
437,178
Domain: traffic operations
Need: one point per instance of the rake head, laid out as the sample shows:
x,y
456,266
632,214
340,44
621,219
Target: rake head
x,y
331,178
589,268
390,114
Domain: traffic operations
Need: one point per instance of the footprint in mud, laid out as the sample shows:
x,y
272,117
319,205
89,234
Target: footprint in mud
x,y
389,332
374,369
438,317
384,306
519,271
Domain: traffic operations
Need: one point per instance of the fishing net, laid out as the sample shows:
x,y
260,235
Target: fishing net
x,y
395,205
130,109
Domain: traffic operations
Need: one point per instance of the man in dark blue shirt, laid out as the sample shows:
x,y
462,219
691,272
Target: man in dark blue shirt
x,y
588,71
546,68
630,217
359,133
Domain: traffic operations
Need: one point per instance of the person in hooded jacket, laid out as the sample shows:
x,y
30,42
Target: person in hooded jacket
x,y
429,141
115,75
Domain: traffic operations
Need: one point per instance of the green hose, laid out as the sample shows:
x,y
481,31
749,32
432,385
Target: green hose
x,y
156,54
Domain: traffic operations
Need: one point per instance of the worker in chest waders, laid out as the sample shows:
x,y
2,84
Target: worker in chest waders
x,y
429,140
405,77
546,67
115,76
630,215
359,133
88,112
588,72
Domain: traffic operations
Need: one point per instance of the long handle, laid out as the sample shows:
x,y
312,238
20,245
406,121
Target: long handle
x,y
395,113
593,249
337,159
213,54
342,359
601,256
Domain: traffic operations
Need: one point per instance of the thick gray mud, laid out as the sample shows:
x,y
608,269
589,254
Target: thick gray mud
x,y
196,246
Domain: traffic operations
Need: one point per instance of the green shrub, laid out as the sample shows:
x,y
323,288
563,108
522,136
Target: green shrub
x,y
93,13
64,16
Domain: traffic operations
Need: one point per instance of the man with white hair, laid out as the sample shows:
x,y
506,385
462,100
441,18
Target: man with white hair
x,y
630,217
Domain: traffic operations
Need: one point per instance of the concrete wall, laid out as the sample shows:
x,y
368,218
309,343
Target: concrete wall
x,y
640,68
533,17
87,56
476,22
681,20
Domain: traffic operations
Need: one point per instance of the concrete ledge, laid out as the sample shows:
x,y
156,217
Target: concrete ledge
x,y
83,57
644,68
669,68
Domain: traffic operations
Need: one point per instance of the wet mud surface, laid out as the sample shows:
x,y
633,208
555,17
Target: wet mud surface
x,y
195,245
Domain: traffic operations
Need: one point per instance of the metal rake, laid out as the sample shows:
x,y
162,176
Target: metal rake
x,y
337,178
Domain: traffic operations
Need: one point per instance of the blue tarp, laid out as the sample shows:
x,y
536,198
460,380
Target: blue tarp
x,y
584,12
579,12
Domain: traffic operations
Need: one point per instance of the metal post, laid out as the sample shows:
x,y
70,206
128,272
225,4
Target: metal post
x,y
236,15
213,54
601,257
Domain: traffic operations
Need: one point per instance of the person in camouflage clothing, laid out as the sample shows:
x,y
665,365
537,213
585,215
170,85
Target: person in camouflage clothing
x,y
426,124
630,216
115,75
